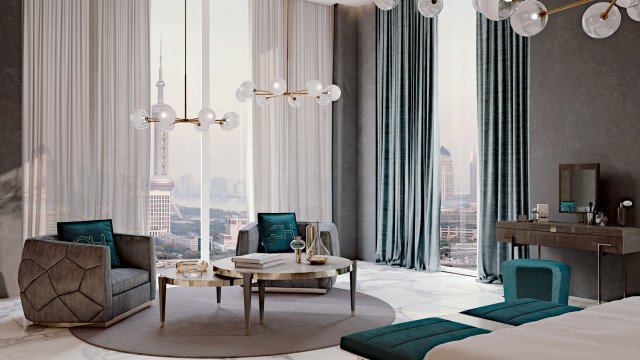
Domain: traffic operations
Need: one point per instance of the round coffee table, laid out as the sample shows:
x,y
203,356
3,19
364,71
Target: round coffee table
x,y
290,270
207,279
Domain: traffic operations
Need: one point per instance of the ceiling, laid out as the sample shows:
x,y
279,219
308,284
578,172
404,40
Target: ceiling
x,y
343,2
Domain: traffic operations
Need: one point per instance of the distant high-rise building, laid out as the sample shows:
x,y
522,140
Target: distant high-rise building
x,y
161,184
473,177
232,228
188,187
218,187
446,174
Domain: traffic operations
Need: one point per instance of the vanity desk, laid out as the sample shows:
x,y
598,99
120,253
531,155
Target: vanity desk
x,y
597,239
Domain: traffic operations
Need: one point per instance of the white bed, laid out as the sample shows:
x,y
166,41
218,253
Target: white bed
x,y
605,332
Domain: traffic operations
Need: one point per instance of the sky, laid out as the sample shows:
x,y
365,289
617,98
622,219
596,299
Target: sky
x,y
230,65
457,102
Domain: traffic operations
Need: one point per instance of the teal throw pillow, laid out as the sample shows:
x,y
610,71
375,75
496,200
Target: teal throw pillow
x,y
276,231
93,232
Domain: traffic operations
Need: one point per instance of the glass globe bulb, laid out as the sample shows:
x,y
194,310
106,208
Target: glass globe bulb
x,y
495,10
634,12
430,8
262,101
386,4
627,3
295,101
240,96
333,91
167,118
165,127
527,19
315,87
206,117
324,99
278,86
232,120
245,91
139,119
201,128
597,27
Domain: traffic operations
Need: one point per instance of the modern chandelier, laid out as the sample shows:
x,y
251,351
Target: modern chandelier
x,y
166,117
278,87
529,17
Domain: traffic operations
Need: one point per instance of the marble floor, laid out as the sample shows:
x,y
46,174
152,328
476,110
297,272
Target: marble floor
x,y
412,294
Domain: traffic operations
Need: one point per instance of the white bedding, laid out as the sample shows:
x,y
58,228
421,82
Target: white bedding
x,y
606,332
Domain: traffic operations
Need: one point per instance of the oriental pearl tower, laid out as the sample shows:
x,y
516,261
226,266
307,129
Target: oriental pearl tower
x,y
160,184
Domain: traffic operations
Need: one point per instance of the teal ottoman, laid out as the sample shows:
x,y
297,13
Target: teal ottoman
x,y
406,341
521,311
536,279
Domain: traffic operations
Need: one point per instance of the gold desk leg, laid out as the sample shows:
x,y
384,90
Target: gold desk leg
x,y
162,284
600,246
625,271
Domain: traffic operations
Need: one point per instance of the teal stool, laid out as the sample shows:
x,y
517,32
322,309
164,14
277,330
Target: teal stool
x,y
536,279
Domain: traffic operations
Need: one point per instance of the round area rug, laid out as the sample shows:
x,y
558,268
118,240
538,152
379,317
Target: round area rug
x,y
197,327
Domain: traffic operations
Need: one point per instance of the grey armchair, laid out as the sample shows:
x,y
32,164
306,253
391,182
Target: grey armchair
x,y
68,284
248,240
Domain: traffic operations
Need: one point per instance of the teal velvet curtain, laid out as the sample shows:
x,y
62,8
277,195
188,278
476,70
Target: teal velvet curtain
x,y
408,204
503,137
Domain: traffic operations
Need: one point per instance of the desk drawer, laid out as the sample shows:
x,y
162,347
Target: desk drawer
x,y
590,242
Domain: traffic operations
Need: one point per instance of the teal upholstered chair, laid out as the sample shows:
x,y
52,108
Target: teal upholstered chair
x,y
536,279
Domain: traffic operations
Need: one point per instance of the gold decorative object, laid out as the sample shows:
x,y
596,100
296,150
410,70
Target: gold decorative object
x,y
297,244
191,265
318,260
309,238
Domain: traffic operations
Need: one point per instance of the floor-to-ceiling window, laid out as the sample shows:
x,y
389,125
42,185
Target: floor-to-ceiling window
x,y
457,107
183,160
230,66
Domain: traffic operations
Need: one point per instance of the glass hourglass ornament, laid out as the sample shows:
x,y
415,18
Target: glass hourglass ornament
x,y
297,244
528,19
317,252
598,26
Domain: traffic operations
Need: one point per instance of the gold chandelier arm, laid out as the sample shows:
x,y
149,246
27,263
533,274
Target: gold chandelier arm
x,y
566,7
605,14
185,59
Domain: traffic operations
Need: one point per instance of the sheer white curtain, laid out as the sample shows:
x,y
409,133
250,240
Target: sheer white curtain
x,y
86,66
292,147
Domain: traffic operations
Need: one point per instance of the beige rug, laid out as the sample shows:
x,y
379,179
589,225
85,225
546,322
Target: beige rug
x,y
196,327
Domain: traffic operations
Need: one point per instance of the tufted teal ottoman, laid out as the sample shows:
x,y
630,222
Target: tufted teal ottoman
x,y
536,279
406,341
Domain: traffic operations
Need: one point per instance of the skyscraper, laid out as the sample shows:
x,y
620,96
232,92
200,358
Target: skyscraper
x,y
446,174
473,177
161,184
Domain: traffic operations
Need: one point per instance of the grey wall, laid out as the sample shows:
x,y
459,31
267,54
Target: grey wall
x,y
10,145
584,103
354,132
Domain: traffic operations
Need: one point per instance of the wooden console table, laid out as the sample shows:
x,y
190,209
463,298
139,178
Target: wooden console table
x,y
602,240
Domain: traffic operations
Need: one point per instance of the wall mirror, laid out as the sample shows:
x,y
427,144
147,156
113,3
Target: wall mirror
x,y
578,187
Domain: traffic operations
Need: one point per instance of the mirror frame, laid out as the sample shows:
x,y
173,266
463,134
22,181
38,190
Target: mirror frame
x,y
595,167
